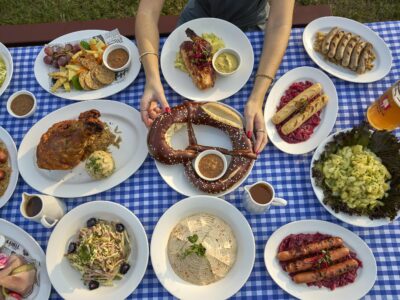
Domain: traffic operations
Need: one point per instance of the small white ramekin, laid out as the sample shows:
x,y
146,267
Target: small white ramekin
x,y
113,47
204,153
13,96
226,50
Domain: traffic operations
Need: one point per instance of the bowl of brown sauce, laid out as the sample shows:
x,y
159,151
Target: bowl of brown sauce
x,y
117,57
21,104
210,165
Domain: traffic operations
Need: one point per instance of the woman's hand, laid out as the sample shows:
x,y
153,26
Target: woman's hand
x,y
255,123
153,95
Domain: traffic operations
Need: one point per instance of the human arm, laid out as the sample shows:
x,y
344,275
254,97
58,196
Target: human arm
x,y
147,38
277,33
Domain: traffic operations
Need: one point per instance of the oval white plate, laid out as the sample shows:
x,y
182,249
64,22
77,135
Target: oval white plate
x,y
76,182
224,87
6,138
42,70
35,251
66,280
174,175
362,221
237,276
6,56
365,278
328,114
383,61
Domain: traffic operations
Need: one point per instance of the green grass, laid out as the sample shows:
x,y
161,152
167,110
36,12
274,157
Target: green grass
x,y
43,11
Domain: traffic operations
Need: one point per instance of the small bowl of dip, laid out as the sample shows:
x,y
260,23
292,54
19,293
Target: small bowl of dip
x,y
226,61
117,57
210,165
21,104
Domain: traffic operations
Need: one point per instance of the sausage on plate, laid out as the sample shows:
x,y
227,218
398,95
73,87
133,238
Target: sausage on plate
x,y
342,45
310,248
296,103
355,56
328,39
308,263
326,273
348,50
300,118
335,43
364,57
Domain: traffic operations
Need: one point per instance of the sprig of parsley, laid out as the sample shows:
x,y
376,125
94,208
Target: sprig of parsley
x,y
195,248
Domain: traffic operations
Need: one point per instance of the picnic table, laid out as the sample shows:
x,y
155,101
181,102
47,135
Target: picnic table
x,y
148,196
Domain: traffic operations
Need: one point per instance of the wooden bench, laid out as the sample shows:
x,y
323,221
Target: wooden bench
x,y
38,34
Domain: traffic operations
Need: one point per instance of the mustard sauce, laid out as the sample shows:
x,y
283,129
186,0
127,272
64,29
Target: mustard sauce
x,y
226,63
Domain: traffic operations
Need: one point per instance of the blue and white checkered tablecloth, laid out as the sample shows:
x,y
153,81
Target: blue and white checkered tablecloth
x,y
148,196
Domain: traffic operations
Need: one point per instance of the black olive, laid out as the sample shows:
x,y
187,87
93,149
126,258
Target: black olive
x,y
71,247
124,268
91,222
93,284
120,227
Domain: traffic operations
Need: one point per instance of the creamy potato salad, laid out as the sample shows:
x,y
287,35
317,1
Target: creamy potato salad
x,y
358,176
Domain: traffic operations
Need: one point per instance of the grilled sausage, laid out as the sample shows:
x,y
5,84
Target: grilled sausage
x,y
308,263
310,248
332,271
335,43
342,45
300,118
327,40
296,103
348,50
355,56
3,156
364,57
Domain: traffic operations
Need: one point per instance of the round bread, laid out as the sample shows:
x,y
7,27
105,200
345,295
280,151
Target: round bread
x,y
88,61
91,82
204,113
103,75
82,76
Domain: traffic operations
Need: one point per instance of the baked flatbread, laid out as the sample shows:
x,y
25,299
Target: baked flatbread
x,y
218,239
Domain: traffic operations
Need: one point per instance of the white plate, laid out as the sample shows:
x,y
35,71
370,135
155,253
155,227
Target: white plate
x,y
6,138
42,70
237,276
328,114
383,61
365,278
224,87
77,183
35,251
66,280
6,56
362,221
174,175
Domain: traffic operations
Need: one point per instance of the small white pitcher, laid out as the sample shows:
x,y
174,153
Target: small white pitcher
x,y
52,209
257,208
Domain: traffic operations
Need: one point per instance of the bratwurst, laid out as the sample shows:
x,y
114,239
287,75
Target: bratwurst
x,y
310,262
330,272
310,248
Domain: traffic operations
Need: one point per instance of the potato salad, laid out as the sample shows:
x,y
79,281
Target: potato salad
x,y
358,176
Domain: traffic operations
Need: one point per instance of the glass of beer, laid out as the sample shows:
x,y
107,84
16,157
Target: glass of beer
x,y
384,113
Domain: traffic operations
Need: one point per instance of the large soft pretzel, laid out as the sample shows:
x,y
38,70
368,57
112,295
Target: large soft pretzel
x,y
205,113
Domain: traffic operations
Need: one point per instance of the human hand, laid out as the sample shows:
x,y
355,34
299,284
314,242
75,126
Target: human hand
x,y
255,123
153,95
